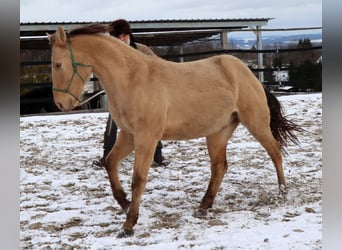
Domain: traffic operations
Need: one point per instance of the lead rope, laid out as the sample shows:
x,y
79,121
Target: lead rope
x,y
92,97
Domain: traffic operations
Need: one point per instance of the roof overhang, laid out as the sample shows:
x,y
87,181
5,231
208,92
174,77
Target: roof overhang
x,y
151,32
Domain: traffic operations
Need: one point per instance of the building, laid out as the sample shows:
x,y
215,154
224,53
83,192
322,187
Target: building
x,y
37,93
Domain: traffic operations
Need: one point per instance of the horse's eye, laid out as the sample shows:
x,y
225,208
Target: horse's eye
x,y
58,65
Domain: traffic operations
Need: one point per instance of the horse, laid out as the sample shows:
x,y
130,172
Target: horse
x,y
153,99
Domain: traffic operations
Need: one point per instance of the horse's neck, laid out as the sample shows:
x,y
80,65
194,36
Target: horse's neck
x,y
112,61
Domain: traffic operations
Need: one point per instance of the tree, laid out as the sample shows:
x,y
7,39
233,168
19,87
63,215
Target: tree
x,y
277,61
298,58
307,76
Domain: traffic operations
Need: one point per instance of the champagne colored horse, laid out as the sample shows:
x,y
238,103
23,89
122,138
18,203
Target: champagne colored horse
x,y
152,99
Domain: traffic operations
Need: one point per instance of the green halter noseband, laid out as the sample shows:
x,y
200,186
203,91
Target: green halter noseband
x,y
75,72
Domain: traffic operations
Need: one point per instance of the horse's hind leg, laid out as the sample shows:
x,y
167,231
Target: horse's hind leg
x,y
216,144
122,148
258,124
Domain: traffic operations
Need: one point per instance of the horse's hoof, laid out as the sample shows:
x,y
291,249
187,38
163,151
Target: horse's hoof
x,y
125,233
200,213
282,190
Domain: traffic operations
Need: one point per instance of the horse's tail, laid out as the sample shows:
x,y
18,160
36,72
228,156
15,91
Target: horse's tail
x,y
282,128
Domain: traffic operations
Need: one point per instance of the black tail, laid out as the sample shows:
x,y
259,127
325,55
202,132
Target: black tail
x,y
282,128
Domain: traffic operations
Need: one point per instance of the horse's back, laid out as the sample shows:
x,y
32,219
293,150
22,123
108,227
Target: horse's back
x,y
200,96
195,99
222,76
240,77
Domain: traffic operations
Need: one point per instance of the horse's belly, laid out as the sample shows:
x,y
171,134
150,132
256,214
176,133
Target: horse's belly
x,y
194,129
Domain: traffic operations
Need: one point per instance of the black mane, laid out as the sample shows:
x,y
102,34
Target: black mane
x,y
92,28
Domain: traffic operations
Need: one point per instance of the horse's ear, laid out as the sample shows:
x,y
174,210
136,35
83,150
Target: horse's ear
x,y
60,36
51,38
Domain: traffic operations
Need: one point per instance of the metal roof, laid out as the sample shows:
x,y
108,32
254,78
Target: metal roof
x,y
149,32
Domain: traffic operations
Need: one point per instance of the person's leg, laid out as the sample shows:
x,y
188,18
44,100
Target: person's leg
x,y
109,139
109,136
158,157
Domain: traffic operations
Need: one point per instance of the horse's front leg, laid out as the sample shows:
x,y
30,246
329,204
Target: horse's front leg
x,y
122,148
144,149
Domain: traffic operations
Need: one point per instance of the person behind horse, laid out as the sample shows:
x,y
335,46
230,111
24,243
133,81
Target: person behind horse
x,y
121,29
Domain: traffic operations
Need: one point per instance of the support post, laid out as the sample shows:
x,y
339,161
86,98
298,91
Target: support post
x,y
181,51
260,55
224,39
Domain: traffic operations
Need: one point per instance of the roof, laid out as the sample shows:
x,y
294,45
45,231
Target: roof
x,y
149,32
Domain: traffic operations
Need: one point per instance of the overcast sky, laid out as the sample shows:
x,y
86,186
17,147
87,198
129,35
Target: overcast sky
x,y
287,13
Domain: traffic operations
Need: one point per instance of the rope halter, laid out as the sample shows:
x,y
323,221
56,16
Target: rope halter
x,y
75,72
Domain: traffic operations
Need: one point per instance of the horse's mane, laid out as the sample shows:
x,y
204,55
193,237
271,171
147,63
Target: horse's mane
x,y
93,28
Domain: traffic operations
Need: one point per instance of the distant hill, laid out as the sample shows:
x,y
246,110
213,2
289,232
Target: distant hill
x,y
273,40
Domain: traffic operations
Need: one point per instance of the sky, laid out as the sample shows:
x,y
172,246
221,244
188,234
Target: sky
x,y
286,14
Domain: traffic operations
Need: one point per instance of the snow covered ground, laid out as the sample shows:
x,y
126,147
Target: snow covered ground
x,y
67,203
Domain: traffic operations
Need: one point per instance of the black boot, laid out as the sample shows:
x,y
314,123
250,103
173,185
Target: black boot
x,y
99,163
158,157
109,136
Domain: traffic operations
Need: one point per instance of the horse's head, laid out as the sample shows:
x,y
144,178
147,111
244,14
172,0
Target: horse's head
x,y
68,71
